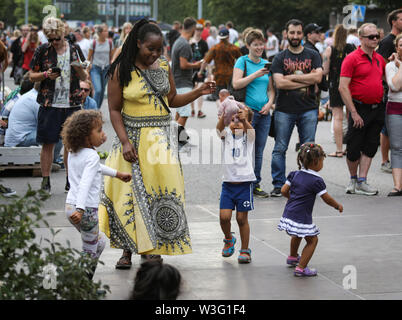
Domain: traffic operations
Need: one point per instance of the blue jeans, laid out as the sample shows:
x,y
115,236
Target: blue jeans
x,y
98,77
261,124
284,123
30,140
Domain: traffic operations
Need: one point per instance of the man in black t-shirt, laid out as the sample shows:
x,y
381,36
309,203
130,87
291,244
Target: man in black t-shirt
x,y
386,48
296,71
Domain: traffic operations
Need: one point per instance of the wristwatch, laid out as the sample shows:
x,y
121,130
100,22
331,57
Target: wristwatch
x,y
80,210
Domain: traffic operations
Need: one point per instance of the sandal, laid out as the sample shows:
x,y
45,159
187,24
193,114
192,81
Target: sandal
x,y
306,272
244,256
336,154
125,260
229,247
293,261
395,193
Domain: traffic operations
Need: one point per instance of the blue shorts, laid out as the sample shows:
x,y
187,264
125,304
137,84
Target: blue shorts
x,y
237,196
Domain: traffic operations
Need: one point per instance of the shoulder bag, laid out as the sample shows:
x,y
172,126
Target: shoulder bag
x,y
155,91
239,94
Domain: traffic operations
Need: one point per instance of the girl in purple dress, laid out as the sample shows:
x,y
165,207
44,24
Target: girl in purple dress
x,y
301,188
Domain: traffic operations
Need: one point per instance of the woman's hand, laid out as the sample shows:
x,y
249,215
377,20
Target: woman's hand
x,y
129,153
207,87
265,109
262,72
123,176
52,75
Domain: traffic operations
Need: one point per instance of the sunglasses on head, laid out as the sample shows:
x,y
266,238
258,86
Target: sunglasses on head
x,y
85,89
53,39
372,36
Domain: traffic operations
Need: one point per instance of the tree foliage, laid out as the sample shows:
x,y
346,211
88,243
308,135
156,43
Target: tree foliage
x,y
260,14
84,10
35,11
39,270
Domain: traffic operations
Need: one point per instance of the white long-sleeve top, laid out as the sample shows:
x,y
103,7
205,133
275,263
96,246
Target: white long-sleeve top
x,y
85,174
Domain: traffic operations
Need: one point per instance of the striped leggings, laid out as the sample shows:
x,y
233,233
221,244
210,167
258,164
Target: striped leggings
x,y
93,241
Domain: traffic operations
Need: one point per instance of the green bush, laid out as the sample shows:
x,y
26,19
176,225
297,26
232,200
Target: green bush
x,y
27,268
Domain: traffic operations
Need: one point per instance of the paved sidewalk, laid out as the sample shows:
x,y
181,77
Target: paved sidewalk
x,y
366,238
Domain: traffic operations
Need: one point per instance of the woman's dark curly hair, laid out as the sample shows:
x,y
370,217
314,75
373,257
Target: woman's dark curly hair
x,y
125,61
309,154
156,280
77,129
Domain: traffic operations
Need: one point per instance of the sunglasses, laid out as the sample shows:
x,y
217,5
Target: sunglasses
x,y
85,89
54,39
372,36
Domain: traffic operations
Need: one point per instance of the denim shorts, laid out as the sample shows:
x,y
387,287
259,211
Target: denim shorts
x,y
50,123
184,111
237,196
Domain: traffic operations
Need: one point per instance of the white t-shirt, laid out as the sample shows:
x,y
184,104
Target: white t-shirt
x,y
390,71
272,41
353,40
62,85
211,41
85,174
237,157
85,44
233,35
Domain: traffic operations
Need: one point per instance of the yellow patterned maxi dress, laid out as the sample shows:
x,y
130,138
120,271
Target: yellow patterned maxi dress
x,y
147,214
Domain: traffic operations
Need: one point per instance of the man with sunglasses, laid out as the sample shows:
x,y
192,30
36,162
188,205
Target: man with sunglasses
x,y
56,66
88,101
361,89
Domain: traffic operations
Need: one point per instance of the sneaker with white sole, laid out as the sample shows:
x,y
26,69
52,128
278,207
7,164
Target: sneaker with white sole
x,y
7,192
386,167
365,189
350,189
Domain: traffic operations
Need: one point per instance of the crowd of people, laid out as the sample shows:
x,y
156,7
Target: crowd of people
x,y
262,84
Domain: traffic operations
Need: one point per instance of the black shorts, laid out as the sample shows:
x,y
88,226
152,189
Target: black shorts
x,y
335,99
50,123
367,139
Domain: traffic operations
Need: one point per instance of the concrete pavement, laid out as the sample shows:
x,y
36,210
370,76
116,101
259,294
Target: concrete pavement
x,y
363,243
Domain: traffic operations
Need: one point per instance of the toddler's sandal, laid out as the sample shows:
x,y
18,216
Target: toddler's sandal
x,y
244,256
306,272
292,261
229,247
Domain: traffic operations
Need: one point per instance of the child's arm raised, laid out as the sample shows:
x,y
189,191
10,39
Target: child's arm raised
x,y
332,202
220,126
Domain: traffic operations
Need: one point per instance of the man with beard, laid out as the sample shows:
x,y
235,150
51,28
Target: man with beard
x,y
296,71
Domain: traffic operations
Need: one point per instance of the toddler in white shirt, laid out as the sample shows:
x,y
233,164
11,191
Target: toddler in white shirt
x,y
82,133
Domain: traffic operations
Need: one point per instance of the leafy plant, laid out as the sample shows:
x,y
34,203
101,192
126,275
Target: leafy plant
x,y
39,270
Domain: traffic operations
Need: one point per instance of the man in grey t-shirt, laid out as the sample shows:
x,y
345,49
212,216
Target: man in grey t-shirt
x,y
182,69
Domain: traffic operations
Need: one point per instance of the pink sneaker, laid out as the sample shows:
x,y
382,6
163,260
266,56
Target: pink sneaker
x,y
306,272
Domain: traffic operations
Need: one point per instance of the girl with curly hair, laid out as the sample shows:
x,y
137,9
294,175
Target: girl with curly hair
x,y
301,189
82,133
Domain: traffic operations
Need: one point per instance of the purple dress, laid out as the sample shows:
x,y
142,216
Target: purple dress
x,y
297,219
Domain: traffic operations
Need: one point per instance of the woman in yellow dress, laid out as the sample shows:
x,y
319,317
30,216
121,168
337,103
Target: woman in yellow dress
x,y
146,216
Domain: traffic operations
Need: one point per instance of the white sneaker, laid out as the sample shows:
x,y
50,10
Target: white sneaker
x,y
350,189
365,189
386,167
